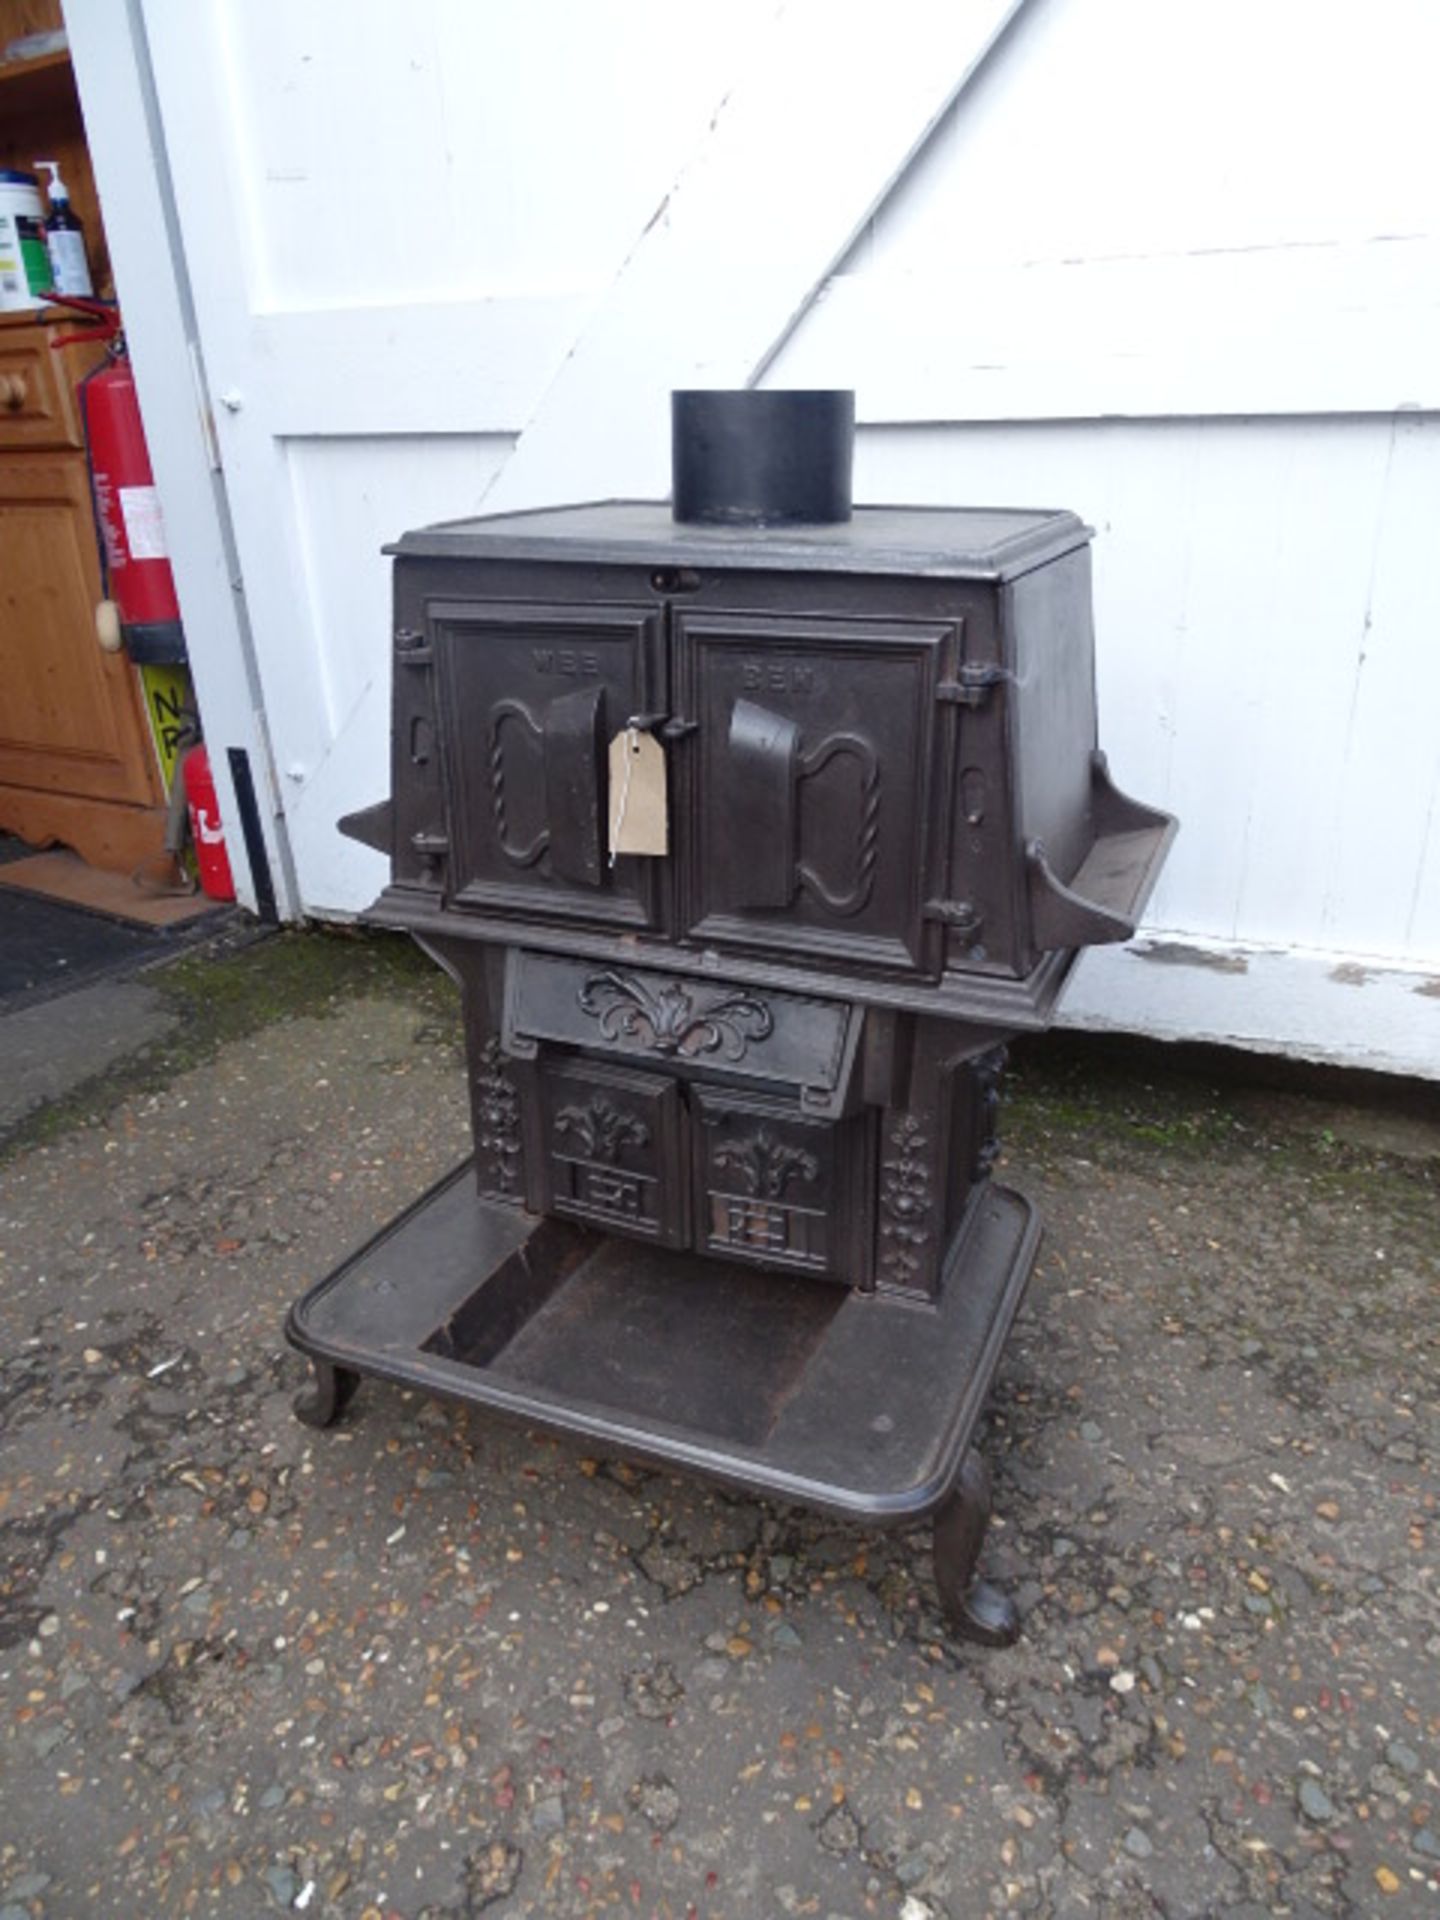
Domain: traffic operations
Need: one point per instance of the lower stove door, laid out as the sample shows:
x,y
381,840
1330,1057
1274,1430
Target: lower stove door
x,y
616,1150
777,1188
742,1175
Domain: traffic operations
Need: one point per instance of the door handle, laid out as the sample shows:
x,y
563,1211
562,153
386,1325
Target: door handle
x,y
768,765
859,751
568,738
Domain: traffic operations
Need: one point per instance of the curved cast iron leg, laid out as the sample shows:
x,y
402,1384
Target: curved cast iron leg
x,y
325,1397
974,1609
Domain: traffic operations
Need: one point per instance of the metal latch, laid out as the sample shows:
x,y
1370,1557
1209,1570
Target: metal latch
x,y
410,648
668,727
973,684
961,916
431,847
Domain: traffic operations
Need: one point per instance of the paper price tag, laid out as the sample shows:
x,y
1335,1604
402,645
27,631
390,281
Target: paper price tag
x,y
638,819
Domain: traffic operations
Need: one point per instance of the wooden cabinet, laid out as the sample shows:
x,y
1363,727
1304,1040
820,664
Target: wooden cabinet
x,y
76,760
70,722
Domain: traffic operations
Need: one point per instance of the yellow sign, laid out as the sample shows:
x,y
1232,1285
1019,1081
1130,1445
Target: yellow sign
x,y
170,703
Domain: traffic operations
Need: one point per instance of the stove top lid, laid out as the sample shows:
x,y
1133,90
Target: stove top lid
x,y
988,543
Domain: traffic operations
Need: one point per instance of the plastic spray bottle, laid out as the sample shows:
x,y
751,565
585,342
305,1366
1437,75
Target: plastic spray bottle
x,y
65,238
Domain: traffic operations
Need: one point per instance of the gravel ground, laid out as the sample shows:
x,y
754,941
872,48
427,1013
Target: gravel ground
x,y
428,1665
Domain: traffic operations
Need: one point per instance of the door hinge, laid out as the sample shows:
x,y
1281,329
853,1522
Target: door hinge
x,y
973,685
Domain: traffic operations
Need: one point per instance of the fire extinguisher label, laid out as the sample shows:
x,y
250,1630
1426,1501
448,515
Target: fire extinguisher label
x,y
144,527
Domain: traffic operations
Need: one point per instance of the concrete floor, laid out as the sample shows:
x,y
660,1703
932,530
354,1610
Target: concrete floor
x,y
424,1664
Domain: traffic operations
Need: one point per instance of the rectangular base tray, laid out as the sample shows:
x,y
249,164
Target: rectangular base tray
x,y
856,1404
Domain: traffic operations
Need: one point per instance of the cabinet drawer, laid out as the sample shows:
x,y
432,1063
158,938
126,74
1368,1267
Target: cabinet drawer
x,y
37,408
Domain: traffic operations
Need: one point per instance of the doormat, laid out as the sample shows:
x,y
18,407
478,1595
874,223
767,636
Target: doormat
x,y
46,948
65,877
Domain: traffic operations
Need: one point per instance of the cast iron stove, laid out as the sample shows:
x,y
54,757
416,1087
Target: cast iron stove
x,y
734,1104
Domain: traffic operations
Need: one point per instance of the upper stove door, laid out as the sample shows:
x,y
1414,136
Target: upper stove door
x,y
529,698
817,785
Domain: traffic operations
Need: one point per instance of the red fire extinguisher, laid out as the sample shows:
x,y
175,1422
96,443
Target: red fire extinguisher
x,y
205,829
141,610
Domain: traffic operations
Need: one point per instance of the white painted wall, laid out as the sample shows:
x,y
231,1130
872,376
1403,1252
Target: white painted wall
x,y
1174,266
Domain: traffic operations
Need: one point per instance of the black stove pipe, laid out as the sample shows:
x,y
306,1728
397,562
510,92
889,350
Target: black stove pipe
x,y
746,458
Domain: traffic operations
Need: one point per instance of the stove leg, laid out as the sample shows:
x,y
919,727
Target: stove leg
x,y
329,1392
974,1609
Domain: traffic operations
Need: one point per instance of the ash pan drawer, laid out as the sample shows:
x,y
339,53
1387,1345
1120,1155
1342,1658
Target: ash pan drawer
x,y
675,1021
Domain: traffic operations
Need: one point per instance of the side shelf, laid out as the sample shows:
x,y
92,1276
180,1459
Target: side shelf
x,y
1102,902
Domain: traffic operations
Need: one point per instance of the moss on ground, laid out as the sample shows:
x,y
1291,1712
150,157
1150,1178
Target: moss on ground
x,y
1065,1095
1063,1101
223,992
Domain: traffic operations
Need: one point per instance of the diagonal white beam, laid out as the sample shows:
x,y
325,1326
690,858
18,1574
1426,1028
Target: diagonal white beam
x,y
798,157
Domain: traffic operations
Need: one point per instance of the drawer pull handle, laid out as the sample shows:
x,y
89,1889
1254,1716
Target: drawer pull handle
x,y
14,391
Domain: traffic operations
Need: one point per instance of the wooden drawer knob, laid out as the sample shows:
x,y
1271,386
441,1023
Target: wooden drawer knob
x,y
13,391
